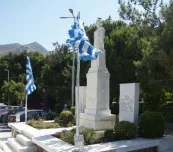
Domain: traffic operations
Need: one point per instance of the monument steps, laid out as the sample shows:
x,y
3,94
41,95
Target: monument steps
x,y
21,143
6,147
30,132
24,140
13,142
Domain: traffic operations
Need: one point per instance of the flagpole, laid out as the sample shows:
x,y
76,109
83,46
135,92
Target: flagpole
x,y
26,98
73,72
77,103
73,62
73,69
78,139
30,86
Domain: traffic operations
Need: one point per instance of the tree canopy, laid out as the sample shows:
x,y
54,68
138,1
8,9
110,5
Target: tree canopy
x,y
138,49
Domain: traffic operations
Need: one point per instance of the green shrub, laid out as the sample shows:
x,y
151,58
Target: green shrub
x,y
151,125
67,136
125,130
40,124
70,124
166,110
57,120
65,118
109,135
72,109
89,136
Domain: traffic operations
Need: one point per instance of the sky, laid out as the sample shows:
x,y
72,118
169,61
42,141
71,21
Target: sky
x,y
26,21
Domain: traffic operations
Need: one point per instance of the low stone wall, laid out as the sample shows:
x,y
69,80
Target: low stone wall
x,y
48,143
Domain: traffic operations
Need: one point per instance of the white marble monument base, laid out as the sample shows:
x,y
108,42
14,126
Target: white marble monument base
x,y
97,122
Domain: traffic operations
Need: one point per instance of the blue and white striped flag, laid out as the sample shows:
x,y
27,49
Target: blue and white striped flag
x,y
79,40
30,86
77,32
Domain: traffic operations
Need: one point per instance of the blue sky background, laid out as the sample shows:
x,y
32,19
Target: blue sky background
x,y
26,21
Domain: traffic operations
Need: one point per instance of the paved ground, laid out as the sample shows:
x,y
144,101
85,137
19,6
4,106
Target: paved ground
x,y
5,131
169,129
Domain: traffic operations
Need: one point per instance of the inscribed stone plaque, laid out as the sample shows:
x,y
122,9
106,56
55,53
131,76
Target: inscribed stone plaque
x,y
126,104
129,102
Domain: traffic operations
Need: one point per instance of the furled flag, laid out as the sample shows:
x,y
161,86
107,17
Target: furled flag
x,y
30,86
79,40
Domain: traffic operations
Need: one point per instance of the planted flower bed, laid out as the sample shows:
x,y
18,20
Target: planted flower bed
x,y
124,130
66,119
150,122
41,124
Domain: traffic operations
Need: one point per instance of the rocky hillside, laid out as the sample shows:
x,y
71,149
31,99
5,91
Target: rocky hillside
x,y
16,47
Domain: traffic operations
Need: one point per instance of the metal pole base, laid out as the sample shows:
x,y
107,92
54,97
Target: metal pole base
x,y
79,141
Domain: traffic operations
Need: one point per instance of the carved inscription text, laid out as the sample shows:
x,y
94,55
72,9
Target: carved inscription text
x,y
126,104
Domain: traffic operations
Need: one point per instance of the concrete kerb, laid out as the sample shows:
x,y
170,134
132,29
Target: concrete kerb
x,y
44,140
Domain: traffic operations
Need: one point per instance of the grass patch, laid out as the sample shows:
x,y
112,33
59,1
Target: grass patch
x,y
40,124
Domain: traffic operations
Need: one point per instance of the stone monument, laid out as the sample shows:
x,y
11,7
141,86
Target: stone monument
x,y
97,114
129,102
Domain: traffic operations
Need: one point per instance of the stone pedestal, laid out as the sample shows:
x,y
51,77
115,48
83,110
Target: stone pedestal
x,y
97,114
129,102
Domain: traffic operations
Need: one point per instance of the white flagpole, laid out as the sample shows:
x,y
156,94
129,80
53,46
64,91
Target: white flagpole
x,y
77,103
26,98
78,139
73,72
73,60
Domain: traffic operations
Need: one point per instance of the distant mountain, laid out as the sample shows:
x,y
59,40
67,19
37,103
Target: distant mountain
x,y
16,48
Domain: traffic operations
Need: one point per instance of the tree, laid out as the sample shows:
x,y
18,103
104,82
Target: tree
x,y
13,91
16,63
138,49
56,74
154,69
141,12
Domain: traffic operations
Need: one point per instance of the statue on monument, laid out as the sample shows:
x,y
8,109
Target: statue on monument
x,y
99,23
99,36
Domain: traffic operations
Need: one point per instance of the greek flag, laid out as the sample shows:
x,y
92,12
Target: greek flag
x,y
30,87
77,32
78,39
